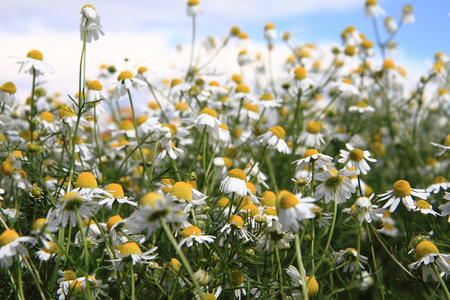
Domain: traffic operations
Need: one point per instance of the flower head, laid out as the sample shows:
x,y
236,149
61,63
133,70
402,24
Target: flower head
x,y
402,191
356,158
90,27
34,64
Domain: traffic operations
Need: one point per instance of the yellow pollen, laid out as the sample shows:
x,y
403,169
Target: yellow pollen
x,y
126,125
388,64
87,222
300,73
236,78
310,152
175,82
228,162
124,75
191,230
214,83
237,173
251,107
402,188
84,6
371,2
209,111
130,248
268,198
209,296
47,116
95,85
266,97
313,127
182,190
447,141
439,179
7,168
116,190
8,236
251,209
153,105
224,126
423,204
243,35
269,26
112,221
425,248
176,264
362,103
142,70
251,187
86,180
183,106
237,132
35,54
288,200
236,220
69,275
193,2
235,30
39,223
8,87
347,80
237,278
443,92
242,88
151,198
141,120
223,202
278,131
356,154
350,50
66,112
270,211
51,248
367,44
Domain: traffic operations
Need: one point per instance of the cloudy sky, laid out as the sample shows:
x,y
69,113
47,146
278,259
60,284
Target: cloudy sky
x,y
148,31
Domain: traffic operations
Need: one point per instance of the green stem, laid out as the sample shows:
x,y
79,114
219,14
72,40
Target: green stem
x,y
32,112
190,71
444,287
301,269
133,296
280,273
333,222
380,286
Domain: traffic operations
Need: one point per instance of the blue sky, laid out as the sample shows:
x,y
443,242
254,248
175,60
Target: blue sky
x,y
149,29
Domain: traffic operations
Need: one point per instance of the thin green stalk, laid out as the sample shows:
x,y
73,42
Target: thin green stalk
x,y
333,223
444,286
380,286
19,279
280,272
194,160
32,112
301,269
190,71
83,237
133,288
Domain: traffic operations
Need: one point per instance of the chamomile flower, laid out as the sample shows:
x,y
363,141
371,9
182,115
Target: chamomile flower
x,y
427,254
235,226
95,92
269,32
193,233
71,204
90,24
125,82
267,101
312,155
301,79
131,252
356,158
207,120
34,63
364,208
402,191
10,246
349,259
49,251
194,8
274,139
311,135
292,210
8,94
86,184
116,195
242,92
424,207
235,182
390,25
372,9
313,285
76,288
345,88
335,185
407,14
361,107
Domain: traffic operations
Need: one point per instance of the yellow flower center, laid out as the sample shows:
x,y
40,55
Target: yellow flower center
x,y
237,173
269,26
116,190
26,135
356,154
447,141
251,209
224,126
39,223
7,168
402,188
407,9
423,204
288,200
251,107
310,152
347,80
142,70
35,54
8,87
69,275
191,230
193,2
112,221
362,103
425,248
388,64
130,248
237,278
223,202
151,198
175,82
300,73
333,182
86,180
183,106
235,30
266,97
209,296
270,211
313,127
176,264
51,248
47,116
214,83
73,201
209,111
371,2
182,190
126,125
313,287
367,44
8,236
268,198
236,220
95,85
439,179
153,105
242,88
84,6
350,50
237,79
278,131
87,222
66,112
124,75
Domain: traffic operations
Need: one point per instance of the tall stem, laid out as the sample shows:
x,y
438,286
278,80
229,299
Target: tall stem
x,y
301,269
190,71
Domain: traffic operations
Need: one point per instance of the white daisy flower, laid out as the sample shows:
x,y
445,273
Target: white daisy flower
x,y
242,92
361,107
301,80
49,251
131,251
427,253
348,258
235,182
345,88
312,155
364,209
372,9
95,92
235,226
207,119
47,122
274,139
445,208
402,191
407,14
292,210
194,8
267,101
71,202
126,81
90,23
117,195
76,288
311,135
269,32
356,158
8,94
10,246
34,61
390,25
191,234
425,208
183,192
313,285
335,181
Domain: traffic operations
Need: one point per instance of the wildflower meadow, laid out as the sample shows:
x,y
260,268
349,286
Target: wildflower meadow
x,y
322,177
